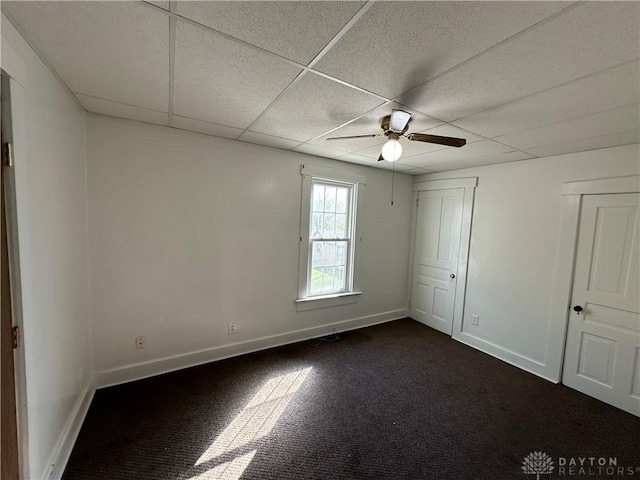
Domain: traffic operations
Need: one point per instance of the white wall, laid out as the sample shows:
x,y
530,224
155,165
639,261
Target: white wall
x,y
513,253
50,151
189,232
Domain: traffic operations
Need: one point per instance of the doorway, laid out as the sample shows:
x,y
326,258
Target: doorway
x,y
9,337
442,230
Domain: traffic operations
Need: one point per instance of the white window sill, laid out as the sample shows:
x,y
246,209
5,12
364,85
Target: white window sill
x,y
311,303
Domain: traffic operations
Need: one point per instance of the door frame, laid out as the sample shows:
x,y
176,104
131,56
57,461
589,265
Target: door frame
x,y
9,177
572,194
468,185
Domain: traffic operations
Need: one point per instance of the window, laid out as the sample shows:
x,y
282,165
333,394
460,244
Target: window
x,y
330,245
328,237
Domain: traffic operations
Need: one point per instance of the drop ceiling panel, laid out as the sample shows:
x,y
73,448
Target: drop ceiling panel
x,y
204,127
604,141
222,81
419,171
416,161
319,150
479,162
390,166
114,109
398,45
370,123
612,88
268,140
112,50
312,106
612,121
295,30
359,159
161,4
589,38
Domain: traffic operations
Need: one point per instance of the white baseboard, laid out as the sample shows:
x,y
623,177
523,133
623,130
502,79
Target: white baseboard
x,y
62,451
513,358
139,371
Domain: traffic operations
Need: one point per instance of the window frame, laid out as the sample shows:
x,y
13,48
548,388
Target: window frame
x,y
312,175
350,229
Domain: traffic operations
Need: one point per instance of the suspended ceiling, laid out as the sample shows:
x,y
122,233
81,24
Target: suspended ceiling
x,y
518,80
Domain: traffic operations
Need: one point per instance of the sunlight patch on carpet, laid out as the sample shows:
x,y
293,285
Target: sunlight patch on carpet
x,y
255,421
232,470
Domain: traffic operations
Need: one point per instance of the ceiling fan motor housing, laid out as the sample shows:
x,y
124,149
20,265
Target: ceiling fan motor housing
x,y
384,126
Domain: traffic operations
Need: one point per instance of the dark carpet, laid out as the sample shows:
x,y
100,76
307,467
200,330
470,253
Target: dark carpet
x,y
393,401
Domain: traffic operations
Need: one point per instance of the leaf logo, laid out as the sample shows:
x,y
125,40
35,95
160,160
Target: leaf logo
x,y
537,463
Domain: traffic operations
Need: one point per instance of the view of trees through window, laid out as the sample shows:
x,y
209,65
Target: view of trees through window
x,y
329,238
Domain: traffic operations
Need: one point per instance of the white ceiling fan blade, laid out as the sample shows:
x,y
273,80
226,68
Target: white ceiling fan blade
x,y
399,120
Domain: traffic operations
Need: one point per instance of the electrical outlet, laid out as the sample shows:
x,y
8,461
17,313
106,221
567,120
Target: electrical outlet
x,y
233,328
141,342
474,320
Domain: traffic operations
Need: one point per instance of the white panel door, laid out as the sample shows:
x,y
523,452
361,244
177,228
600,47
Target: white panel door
x,y
602,355
435,264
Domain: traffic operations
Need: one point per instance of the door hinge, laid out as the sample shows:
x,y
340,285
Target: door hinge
x,y
417,201
7,153
16,337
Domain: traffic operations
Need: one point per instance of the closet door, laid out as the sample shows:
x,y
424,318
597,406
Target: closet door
x,y
435,263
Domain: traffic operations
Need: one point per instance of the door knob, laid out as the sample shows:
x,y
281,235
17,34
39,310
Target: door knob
x,y
452,275
577,309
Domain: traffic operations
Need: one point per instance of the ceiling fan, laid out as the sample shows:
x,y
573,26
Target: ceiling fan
x,y
393,127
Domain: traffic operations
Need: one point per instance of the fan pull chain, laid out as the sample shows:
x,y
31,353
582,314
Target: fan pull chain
x,y
393,177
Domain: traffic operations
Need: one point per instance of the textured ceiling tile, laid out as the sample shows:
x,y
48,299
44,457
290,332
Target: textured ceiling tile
x,y
221,81
268,140
612,121
417,161
370,123
398,45
373,153
390,166
468,152
295,30
613,88
114,50
204,127
359,159
114,109
418,171
161,4
312,106
319,151
481,162
604,141
587,39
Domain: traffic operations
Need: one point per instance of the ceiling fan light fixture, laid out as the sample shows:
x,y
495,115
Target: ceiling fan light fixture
x,y
392,150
